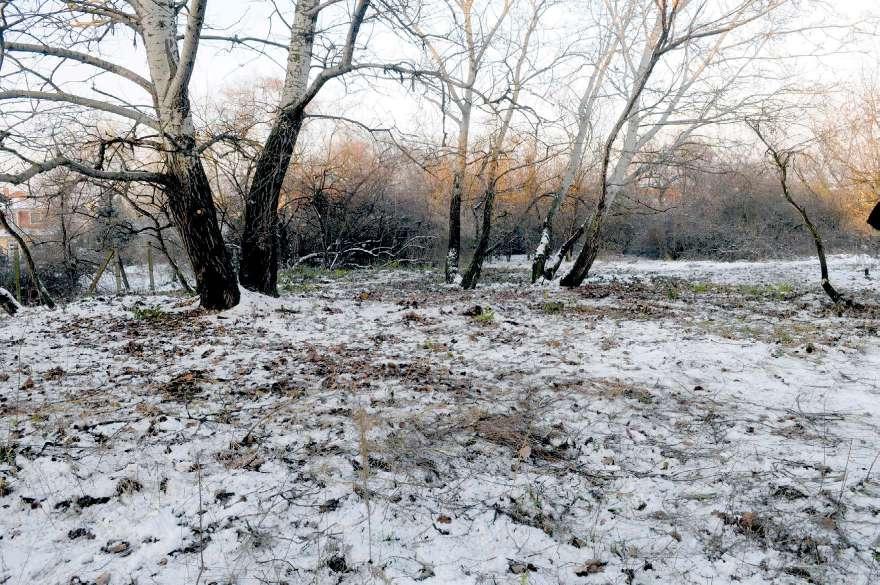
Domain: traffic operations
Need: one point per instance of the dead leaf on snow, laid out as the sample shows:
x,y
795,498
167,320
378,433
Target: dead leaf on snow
x,y
590,567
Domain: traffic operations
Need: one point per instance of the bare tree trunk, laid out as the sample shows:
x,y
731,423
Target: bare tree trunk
x,y
190,199
554,261
587,256
93,286
45,297
259,243
163,247
191,204
829,289
121,266
874,218
542,251
472,274
453,247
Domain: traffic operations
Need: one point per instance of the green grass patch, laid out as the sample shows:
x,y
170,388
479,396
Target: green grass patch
x,y
553,308
305,279
7,454
486,317
778,291
148,313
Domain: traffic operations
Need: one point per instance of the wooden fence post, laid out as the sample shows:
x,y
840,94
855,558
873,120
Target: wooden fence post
x,y
94,285
117,275
16,272
150,267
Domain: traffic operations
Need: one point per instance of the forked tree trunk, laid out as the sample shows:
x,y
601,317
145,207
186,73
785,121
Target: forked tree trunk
x,y
190,199
650,58
553,262
584,261
259,243
191,204
542,251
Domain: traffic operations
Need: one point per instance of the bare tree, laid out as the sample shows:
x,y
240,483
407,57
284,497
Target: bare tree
x,y
259,249
45,41
524,71
459,44
664,28
600,57
784,161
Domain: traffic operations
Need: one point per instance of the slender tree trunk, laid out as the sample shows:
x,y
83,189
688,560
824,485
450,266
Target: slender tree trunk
x,y
191,204
472,274
259,243
163,247
45,297
190,199
93,286
782,163
554,261
121,267
258,270
453,248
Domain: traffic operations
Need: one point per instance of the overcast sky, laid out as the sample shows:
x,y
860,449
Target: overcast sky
x,y
390,102
219,68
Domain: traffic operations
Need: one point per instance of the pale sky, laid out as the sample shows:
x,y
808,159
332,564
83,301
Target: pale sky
x,y
391,103
218,68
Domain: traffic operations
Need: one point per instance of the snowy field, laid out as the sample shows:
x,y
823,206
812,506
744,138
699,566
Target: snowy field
x,y
674,423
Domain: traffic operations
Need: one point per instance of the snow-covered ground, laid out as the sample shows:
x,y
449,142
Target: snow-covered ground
x,y
676,423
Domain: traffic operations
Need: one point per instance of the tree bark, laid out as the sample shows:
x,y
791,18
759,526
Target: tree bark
x,y
551,266
542,251
191,204
190,199
472,274
782,161
587,256
874,218
453,247
259,247
259,243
